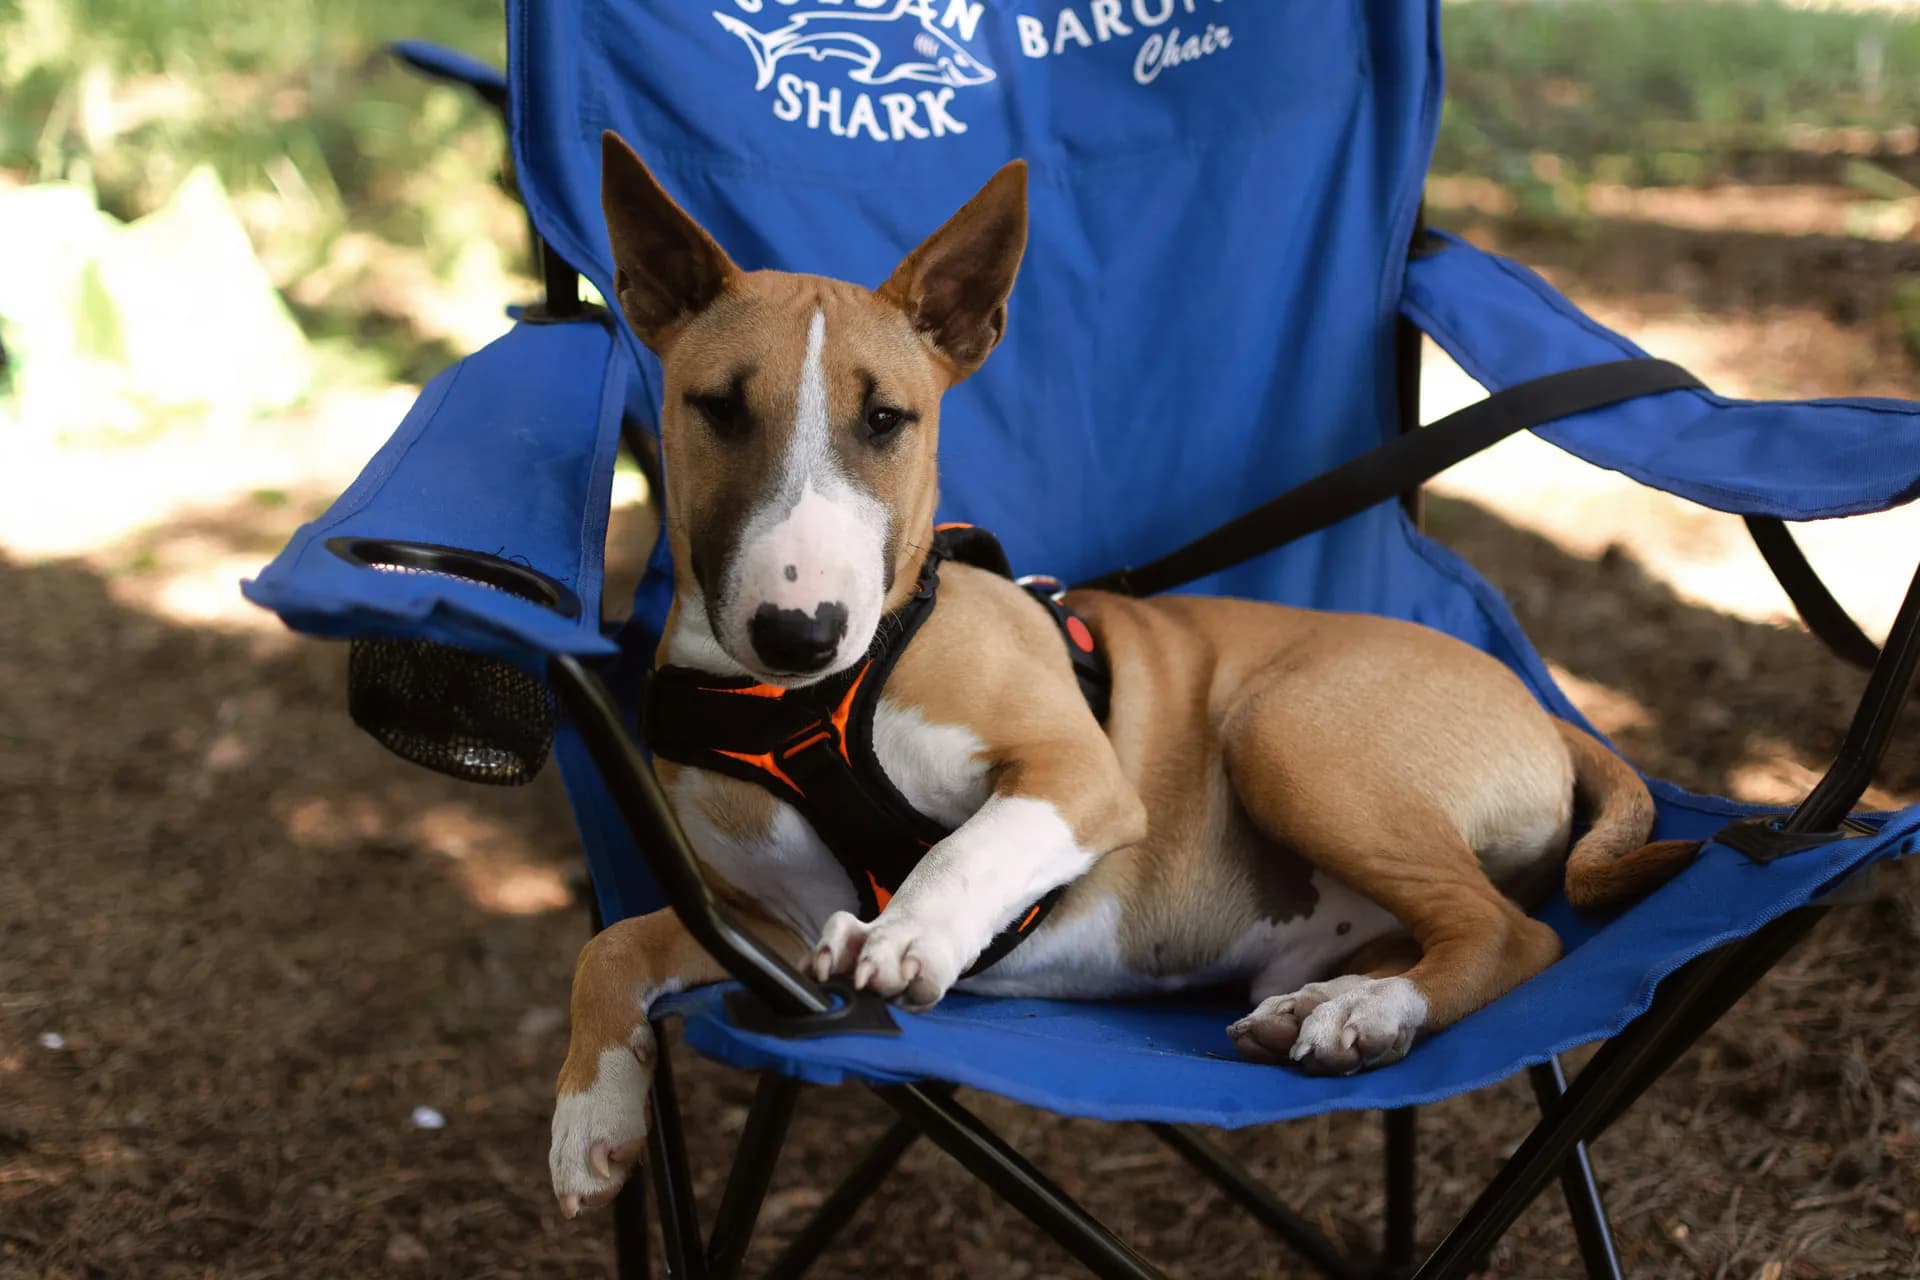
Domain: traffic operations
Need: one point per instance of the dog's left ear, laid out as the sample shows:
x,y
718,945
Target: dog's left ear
x,y
954,287
666,268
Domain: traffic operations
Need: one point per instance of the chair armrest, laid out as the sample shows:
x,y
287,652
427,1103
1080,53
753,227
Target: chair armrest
x,y
1793,460
507,456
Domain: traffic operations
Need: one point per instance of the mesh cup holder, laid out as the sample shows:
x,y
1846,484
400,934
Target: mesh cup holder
x,y
463,714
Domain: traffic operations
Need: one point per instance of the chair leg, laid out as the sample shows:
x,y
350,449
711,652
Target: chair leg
x,y
982,1153
839,1208
753,1161
1760,953
679,1219
631,1249
1397,1257
1228,1174
1589,1212
1616,1076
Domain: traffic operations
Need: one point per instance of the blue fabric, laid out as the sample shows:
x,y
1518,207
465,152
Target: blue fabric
x,y
1214,255
1204,318
1171,1060
1798,461
510,452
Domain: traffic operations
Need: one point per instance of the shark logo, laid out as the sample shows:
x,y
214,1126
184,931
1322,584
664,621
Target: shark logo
x,y
883,48
902,47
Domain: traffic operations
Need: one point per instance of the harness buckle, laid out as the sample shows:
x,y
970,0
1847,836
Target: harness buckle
x,y
1044,584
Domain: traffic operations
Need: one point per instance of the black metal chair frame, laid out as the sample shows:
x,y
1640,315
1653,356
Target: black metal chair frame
x,y
1686,1004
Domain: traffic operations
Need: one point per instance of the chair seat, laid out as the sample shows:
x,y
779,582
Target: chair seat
x,y
1170,1059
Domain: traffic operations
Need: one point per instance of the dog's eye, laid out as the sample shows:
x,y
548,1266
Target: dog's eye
x,y
883,421
725,412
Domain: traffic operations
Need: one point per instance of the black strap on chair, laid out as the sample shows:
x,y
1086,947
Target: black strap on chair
x,y
1400,465
1816,606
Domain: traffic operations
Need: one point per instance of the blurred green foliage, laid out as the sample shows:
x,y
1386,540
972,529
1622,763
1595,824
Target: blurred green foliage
x,y
1666,92
356,181
137,90
122,329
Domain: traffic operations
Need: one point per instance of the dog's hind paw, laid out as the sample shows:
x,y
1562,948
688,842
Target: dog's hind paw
x,y
599,1134
1347,1024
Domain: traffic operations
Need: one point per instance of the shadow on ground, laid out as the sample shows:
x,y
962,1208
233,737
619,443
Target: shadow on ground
x,y
1832,311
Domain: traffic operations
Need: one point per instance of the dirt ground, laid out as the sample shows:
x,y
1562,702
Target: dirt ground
x,y
242,946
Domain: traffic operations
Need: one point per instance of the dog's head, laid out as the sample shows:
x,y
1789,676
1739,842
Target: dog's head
x,y
801,415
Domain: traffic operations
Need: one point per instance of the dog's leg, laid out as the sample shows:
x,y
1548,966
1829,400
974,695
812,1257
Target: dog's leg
x,y
600,1113
1051,817
1385,841
1475,946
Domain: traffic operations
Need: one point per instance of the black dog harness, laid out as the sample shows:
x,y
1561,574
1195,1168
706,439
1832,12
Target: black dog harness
x,y
813,747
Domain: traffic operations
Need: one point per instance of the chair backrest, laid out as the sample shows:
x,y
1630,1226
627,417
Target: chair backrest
x,y
1222,196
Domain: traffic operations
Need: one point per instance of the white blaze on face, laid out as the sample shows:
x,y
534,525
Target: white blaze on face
x,y
817,539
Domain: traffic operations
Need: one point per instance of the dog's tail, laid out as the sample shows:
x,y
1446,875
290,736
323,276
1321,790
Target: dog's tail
x,y
759,44
1612,863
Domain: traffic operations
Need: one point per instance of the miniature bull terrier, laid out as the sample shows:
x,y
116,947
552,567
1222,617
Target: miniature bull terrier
x,y
1345,812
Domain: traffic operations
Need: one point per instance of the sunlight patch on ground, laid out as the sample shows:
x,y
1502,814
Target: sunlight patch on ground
x,y
332,823
173,524
70,500
1612,711
489,859
1771,774
491,867
202,595
1706,556
1784,209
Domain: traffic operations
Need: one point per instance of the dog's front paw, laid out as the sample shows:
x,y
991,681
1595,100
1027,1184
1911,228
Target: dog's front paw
x,y
894,958
1346,1024
841,941
599,1131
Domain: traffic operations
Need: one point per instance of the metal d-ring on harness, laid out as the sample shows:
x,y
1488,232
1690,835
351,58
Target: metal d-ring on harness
x,y
813,747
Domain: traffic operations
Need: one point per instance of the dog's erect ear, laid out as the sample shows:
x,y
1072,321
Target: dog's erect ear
x,y
954,287
666,269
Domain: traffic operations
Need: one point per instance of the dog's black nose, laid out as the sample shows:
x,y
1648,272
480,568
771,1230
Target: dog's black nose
x,y
794,643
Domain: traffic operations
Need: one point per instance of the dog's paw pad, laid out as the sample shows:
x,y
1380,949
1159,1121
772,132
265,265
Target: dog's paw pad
x,y
1337,1027
599,1134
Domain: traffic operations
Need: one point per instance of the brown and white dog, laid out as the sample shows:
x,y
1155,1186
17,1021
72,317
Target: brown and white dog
x,y
1327,807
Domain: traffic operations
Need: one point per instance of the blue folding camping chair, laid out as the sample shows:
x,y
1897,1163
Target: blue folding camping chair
x,y
1221,303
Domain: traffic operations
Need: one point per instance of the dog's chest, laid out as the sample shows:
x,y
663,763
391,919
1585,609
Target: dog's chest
x,y
783,864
